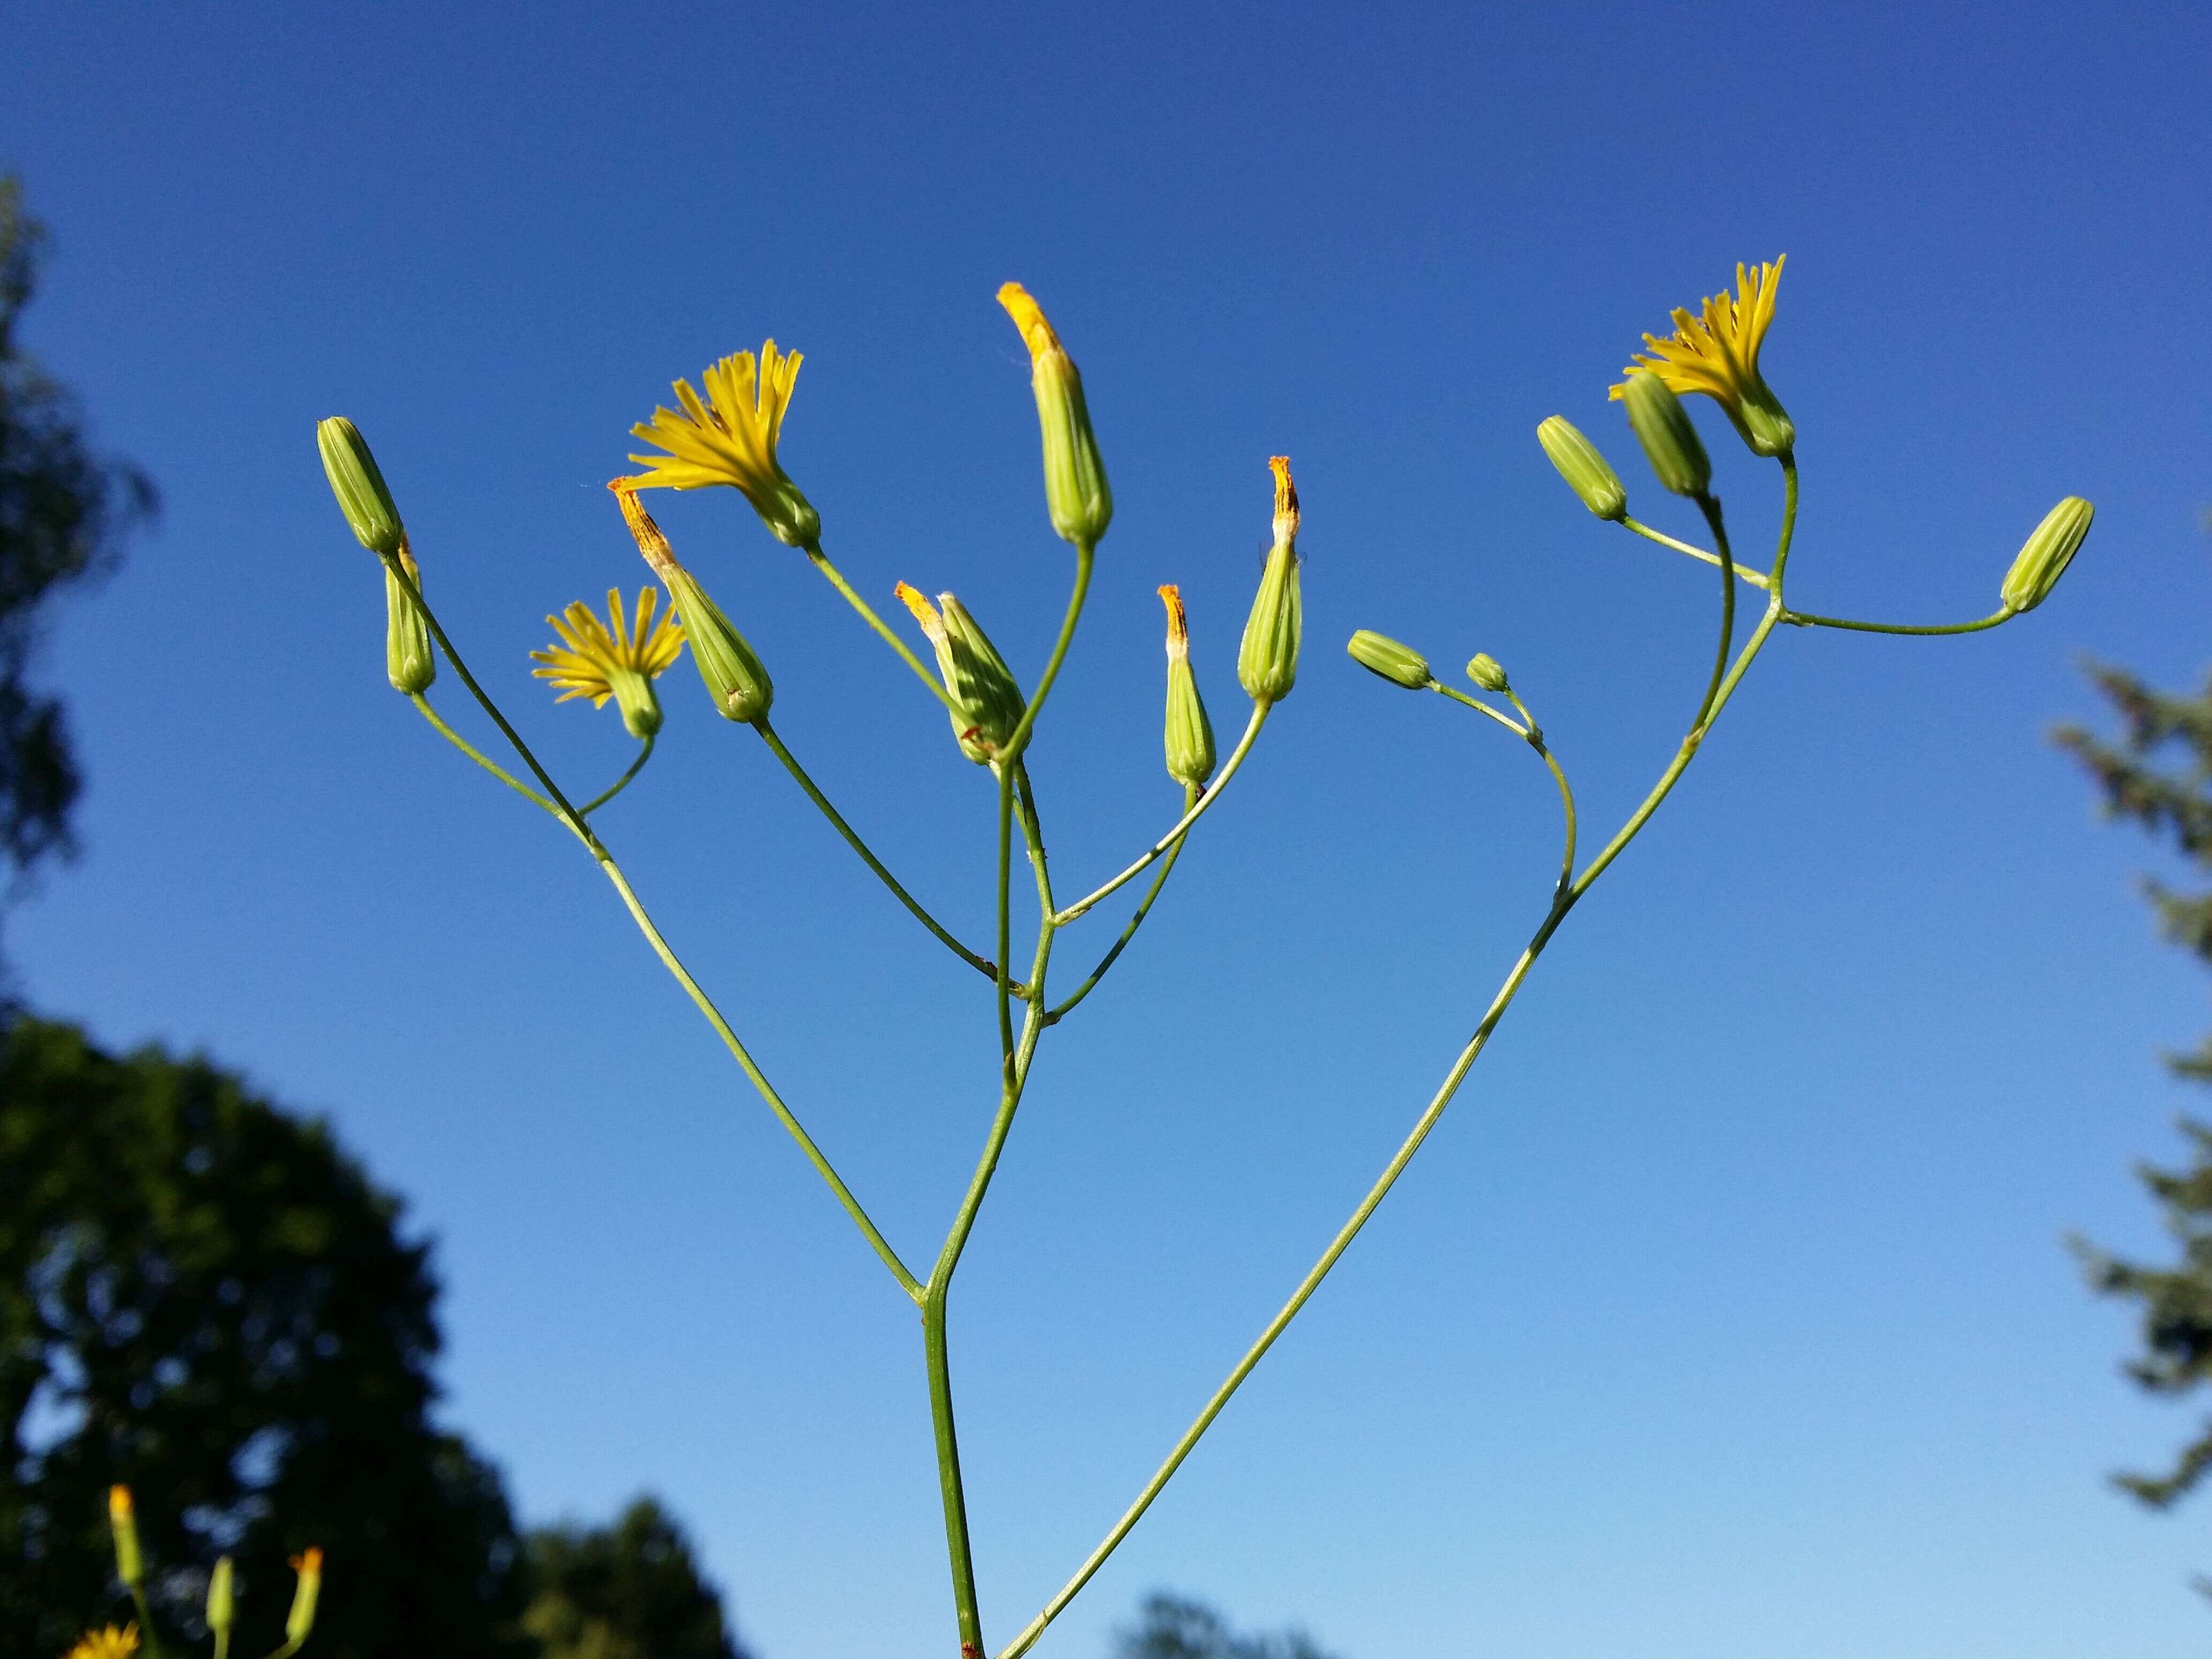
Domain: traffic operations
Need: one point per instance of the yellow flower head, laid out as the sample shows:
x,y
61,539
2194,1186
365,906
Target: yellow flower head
x,y
614,658
109,1644
729,438
1717,354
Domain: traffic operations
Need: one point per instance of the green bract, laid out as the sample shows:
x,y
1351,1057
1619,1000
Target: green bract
x,y
1670,442
1585,470
2043,559
359,485
1399,664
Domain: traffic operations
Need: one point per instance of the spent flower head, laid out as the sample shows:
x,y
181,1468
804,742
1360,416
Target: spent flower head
x,y
1716,353
619,657
729,437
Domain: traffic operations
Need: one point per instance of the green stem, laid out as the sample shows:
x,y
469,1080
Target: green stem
x,y
644,754
989,970
1167,869
145,1619
1084,552
1755,577
560,808
821,562
1712,509
423,705
1480,708
1259,711
1807,619
1563,902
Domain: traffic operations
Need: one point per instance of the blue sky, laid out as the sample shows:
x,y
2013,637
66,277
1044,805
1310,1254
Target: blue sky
x,y
1728,1313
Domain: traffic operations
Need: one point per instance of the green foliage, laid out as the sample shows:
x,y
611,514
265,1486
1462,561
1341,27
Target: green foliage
x,y
2173,799
206,1300
627,1591
63,514
1175,1628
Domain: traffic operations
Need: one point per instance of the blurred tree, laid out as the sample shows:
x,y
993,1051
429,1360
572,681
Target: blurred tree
x,y
627,1591
206,1299
2159,774
62,515
1175,1628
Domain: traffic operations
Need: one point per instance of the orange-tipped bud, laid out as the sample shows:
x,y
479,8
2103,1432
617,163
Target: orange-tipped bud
x,y
1189,734
1267,661
1075,490
309,1564
130,1565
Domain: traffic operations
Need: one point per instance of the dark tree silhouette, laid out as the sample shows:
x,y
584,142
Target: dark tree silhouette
x,y
1174,1627
627,1591
206,1299
63,512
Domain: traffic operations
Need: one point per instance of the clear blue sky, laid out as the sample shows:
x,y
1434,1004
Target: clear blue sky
x,y
1728,1313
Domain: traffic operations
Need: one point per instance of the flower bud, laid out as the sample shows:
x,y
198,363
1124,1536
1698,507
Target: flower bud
x,y
409,662
309,1564
1267,661
359,486
221,1601
986,702
1075,491
130,1565
1399,664
1189,734
1670,442
1585,470
2040,564
735,678
1484,670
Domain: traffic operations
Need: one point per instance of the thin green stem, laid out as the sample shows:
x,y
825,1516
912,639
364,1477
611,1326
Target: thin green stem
x,y
1712,509
152,1636
1563,902
821,562
644,754
423,705
1479,707
1167,869
775,744
1757,578
1807,619
1259,711
1085,553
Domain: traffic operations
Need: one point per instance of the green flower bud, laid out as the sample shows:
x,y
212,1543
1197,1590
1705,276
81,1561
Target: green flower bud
x,y
2040,564
1585,470
1267,661
130,1565
1399,664
1670,442
734,677
309,1564
409,662
221,1601
1189,734
359,486
1485,672
1075,491
986,702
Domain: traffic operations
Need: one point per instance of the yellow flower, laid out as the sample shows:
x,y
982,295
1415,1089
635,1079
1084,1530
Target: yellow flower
x,y
621,661
729,439
109,1644
1717,354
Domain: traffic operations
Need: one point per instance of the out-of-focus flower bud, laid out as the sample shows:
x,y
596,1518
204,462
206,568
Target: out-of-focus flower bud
x,y
130,1565
735,678
220,1600
2043,560
1075,491
309,1564
1484,670
1267,661
359,486
1399,664
1189,734
1670,442
409,662
1586,472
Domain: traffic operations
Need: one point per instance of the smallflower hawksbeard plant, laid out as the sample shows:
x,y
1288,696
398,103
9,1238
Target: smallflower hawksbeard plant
x,y
730,437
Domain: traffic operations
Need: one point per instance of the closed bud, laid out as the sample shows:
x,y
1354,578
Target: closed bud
x,y
1487,673
980,681
1189,734
1585,470
1670,442
220,1601
2040,564
1075,492
359,486
130,1565
1267,661
309,1564
1399,664
409,662
735,678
